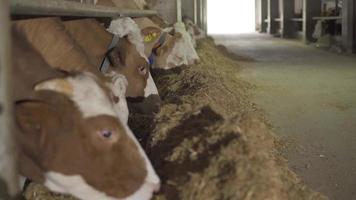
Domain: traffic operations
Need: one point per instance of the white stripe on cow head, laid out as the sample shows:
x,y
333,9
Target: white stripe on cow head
x,y
84,91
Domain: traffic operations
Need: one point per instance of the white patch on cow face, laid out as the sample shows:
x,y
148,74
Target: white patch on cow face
x,y
85,92
74,185
79,188
151,88
152,180
90,97
145,192
118,87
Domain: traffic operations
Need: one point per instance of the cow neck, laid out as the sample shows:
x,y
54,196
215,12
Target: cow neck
x,y
92,37
48,36
106,63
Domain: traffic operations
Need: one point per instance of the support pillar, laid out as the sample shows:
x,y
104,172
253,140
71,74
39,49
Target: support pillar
x,y
264,15
349,26
200,13
179,10
287,13
205,16
8,168
195,11
311,8
273,11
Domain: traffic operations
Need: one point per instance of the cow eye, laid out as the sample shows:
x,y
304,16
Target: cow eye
x,y
106,134
142,70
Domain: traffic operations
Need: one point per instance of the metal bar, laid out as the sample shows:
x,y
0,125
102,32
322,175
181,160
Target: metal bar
x,y
195,11
8,172
297,19
71,9
201,14
327,18
179,10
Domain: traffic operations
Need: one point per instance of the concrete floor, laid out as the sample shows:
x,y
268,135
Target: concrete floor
x,y
310,97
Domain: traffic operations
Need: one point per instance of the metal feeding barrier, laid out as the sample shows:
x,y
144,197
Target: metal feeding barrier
x,y
65,8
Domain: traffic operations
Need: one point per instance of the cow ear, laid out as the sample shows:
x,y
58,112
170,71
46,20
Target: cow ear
x,y
59,85
150,34
25,115
115,57
31,118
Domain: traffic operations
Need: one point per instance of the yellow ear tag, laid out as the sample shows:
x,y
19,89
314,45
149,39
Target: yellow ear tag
x,y
150,37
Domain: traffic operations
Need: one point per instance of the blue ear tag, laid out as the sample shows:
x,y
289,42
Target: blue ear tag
x,y
151,60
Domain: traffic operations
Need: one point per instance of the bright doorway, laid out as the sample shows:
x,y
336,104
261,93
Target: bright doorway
x,y
231,16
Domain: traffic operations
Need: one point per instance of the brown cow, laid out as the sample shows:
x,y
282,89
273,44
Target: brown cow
x,y
69,136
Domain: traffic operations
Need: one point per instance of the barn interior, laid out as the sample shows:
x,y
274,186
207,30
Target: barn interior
x,y
252,100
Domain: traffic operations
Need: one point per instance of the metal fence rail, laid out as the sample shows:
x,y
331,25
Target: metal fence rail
x,y
72,9
8,172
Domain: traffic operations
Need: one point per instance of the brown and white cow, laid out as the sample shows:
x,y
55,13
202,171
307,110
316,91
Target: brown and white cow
x,y
61,47
69,136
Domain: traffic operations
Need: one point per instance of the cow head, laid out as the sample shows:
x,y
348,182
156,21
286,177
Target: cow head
x,y
128,58
125,60
73,142
164,50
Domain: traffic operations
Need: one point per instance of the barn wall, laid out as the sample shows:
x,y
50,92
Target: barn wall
x,y
166,8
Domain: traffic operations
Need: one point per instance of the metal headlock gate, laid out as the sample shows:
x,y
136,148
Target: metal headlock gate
x,y
72,9
30,8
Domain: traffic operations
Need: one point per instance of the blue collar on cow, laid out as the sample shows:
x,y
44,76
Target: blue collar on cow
x,y
104,67
151,59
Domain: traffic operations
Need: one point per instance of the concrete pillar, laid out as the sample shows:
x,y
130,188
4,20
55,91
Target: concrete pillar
x,y
264,15
205,16
179,10
349,25
201,14
195,11
311,8
8,172
273,12
287,13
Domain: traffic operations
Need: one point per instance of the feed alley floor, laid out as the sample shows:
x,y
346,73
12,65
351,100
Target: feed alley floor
x,y
309,95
